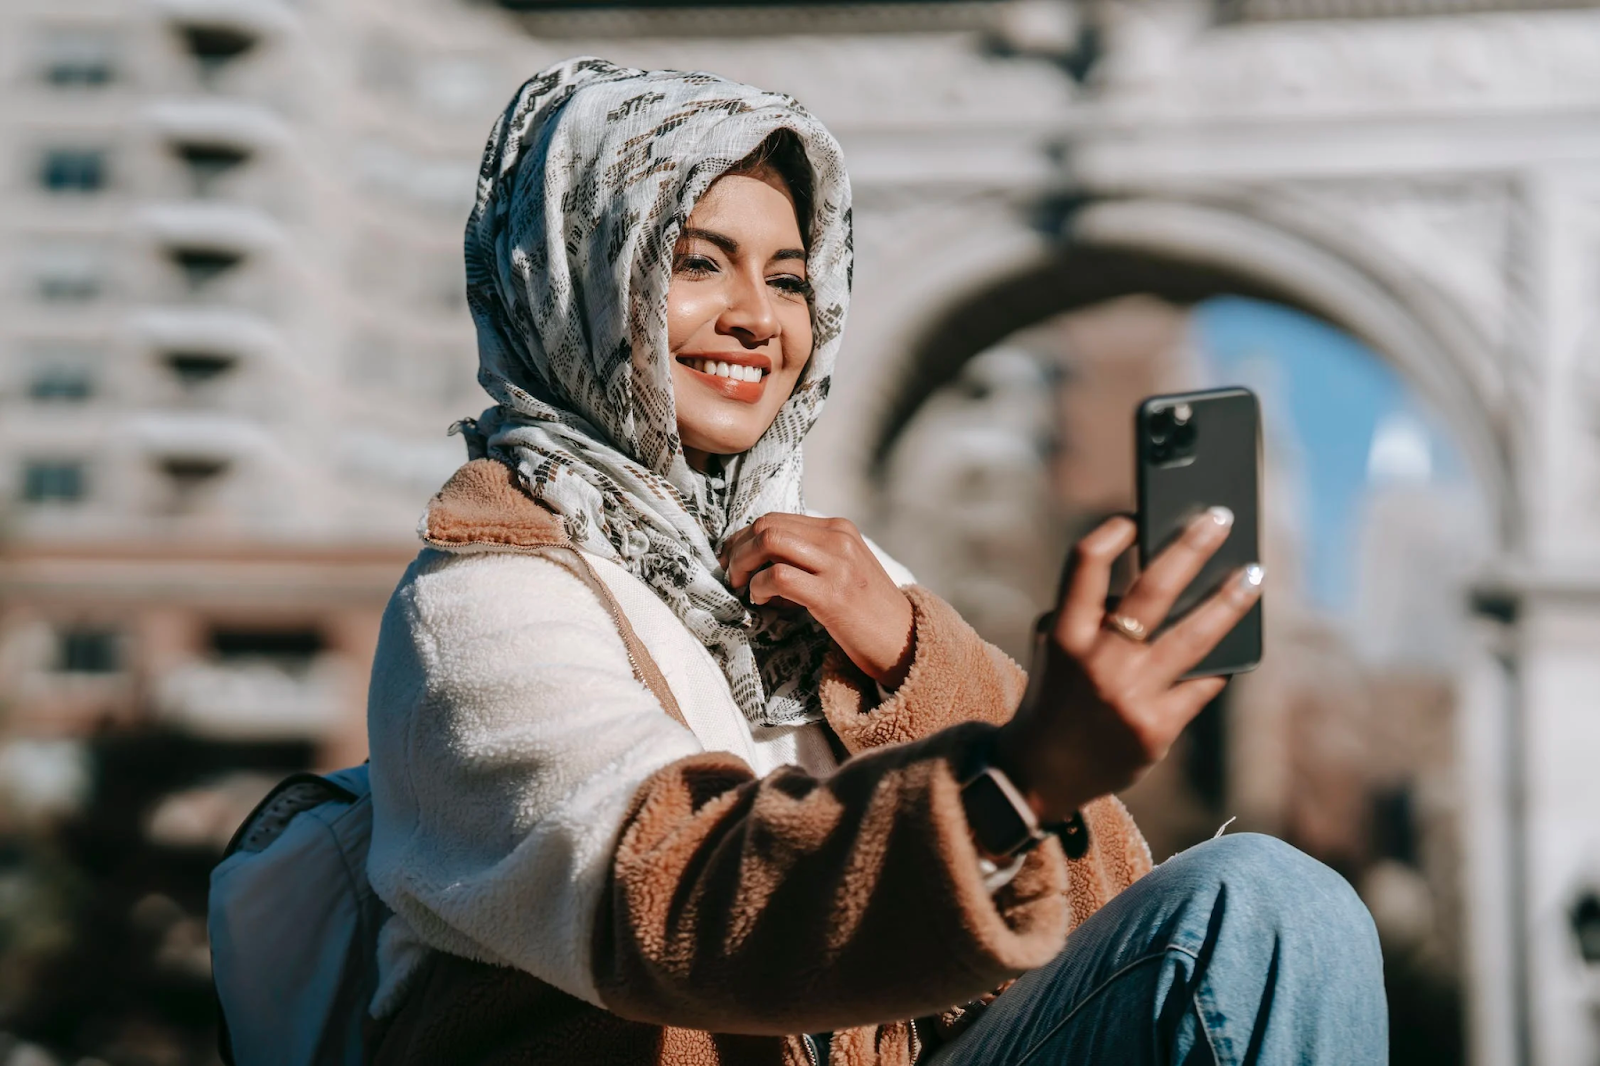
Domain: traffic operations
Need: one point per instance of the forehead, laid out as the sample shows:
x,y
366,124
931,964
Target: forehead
x,y
754,207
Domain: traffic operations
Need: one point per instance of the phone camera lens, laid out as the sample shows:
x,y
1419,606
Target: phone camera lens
x,y
1170,434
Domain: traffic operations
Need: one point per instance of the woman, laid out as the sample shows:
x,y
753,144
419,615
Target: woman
x,y
668,770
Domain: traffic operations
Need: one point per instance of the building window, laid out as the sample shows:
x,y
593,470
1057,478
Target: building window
x,y
52,481
67,273
189,472
201,265
88,651
60,383
292,650
210,161
79,170
74,59
215,45
195,369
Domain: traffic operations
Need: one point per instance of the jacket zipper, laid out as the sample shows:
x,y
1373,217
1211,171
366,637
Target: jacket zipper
x,y
811,1049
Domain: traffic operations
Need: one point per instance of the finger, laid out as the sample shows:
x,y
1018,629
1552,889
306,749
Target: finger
x,y
778,541
740,542
781,581
1176,708
1185,644
1169,573
1188,698
741,536
731,542
1083,607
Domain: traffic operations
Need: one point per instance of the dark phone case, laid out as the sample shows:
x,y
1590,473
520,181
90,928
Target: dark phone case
x,y
1225,469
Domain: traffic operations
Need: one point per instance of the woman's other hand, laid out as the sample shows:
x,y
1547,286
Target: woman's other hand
x,y
825,566
1101,708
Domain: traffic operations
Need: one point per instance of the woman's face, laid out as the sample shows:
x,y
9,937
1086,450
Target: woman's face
x,y
738,314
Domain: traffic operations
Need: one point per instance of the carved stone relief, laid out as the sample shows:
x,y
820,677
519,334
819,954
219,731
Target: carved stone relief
x,y
1453,235
1165,62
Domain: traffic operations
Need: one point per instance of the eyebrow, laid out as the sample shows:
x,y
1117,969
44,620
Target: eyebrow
x,y
731,246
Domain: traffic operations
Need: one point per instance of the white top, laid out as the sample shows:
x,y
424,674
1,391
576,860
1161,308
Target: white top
x,y
508,736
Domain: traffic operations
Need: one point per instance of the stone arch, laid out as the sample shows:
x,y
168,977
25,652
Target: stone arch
x,y
1186,252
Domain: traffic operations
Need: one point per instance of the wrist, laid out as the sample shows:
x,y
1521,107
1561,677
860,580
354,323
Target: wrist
x,y
1018,757
1043,818
890,667
1001,822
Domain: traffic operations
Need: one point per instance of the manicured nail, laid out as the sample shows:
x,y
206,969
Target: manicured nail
x,y
1252,577
1211,525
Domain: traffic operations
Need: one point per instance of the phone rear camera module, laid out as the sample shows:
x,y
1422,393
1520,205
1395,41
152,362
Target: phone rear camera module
x,y
1170,435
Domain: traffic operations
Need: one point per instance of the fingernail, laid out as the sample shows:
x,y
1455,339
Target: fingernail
x,y
1252,577
1222,516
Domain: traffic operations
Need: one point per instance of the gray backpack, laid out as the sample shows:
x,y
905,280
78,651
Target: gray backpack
x,y
292,919
294,926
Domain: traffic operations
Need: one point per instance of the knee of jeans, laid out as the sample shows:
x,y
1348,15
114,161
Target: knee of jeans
x,y
1284,882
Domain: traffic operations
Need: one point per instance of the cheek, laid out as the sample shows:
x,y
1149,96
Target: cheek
x,y
690,309
797,338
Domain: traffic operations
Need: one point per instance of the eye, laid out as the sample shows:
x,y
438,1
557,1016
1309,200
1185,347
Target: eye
x,y
792,285
694,265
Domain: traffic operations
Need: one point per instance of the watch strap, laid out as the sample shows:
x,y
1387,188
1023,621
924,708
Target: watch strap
x,y
1003,825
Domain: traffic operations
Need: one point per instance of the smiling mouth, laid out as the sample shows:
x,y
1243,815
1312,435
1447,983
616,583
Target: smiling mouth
x,y
717,368
733,381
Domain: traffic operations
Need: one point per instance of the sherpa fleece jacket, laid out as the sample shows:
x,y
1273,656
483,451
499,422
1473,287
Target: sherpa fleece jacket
x,y
583,870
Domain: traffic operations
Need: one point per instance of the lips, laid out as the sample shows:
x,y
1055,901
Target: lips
x,y
734,380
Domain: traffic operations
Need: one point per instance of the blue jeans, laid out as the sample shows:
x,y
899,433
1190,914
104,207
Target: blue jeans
x,y
1239,951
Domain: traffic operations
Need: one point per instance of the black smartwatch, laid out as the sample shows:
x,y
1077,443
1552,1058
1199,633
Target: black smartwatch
x,y
1003,825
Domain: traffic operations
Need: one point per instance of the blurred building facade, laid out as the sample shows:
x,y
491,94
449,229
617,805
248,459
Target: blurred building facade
x,y
232,333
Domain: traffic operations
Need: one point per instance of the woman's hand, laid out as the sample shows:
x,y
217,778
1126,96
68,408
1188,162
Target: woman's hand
x,y
1101,708
825,566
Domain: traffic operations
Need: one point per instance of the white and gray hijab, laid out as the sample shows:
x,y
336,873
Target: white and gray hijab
x,y
586,181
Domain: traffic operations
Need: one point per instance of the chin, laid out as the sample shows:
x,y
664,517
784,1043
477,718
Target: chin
x,y
722,439
722,445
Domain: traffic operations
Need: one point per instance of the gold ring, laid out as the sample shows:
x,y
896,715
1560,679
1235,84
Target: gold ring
x,y
1124,626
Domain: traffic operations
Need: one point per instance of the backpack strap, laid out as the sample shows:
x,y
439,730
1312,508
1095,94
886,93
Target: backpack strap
x,y
483,507
639,657
295,793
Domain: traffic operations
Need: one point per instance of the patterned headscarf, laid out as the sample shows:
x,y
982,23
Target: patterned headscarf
x,y
586,181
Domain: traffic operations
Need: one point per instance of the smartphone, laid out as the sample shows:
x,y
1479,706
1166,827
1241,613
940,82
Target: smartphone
x,y
1197,450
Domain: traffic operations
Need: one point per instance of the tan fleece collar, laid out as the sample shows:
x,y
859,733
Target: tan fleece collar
x,y
483,506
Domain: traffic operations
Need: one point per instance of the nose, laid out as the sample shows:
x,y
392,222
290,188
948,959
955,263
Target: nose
x,y
750,316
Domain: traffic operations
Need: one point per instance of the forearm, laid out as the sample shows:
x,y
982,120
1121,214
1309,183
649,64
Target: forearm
x,y
792,903
955,676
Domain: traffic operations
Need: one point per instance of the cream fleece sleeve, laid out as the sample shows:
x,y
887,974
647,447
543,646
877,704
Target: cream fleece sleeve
x,y
508,738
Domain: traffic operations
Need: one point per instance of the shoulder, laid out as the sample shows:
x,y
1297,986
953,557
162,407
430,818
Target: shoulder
x,y
453,597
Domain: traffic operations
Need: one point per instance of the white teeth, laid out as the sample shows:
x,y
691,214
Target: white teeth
x,y
736,371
